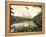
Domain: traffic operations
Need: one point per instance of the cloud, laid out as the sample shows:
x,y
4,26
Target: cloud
x,y
22,11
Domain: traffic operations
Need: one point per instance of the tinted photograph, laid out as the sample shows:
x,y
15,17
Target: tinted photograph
x,y
25,18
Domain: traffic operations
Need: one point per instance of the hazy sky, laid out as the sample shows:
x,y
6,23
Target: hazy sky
x,y
25,11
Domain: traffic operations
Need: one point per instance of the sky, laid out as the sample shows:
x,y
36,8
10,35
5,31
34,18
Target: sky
x,y
25,11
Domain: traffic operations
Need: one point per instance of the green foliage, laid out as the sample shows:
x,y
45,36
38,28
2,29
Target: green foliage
x,y
38,21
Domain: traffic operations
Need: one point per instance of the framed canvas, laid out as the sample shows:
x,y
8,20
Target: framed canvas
x,y
24,18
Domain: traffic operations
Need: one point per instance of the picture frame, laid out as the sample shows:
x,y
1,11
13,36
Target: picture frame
x,y
7,16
